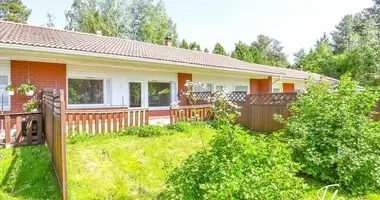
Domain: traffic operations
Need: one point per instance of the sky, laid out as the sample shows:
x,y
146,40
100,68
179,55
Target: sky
x,y
295,23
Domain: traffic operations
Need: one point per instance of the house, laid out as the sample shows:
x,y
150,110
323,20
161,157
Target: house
x,y
98,72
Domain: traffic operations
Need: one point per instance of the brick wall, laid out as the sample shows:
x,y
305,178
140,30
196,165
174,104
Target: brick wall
x,y
41,74
258,86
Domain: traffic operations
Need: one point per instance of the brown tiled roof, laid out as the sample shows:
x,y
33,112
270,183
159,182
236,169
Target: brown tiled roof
x,y
35,36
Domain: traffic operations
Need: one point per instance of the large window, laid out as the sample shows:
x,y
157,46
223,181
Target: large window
x,y
86,91
134,94
159,94
241,88
205,87
3,85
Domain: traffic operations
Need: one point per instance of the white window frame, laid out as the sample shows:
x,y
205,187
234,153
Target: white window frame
x,y
216,85
105,92
241,86
8,107
172,94
279,90
142,94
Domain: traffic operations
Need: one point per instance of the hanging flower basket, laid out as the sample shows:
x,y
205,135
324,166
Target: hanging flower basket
x,y
26,89
32,105
10,90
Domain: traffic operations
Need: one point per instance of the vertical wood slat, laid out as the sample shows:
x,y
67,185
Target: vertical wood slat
x,y
108,123
18,130
114,120
8,127
97,121
103,123
70,124
39,129
77,122
84,123
29,128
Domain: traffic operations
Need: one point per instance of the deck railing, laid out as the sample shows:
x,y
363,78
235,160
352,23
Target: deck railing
x,y
104,121
190,113
20,129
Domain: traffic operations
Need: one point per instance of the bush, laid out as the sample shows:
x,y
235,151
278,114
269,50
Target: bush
x,y
180,126
333,136
146,131
238,166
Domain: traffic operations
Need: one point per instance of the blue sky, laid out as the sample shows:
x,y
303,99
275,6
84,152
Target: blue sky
x,y
295,23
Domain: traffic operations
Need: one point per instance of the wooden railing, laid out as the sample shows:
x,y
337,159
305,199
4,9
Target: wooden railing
x,y
104,121
53,105
189,113
21,129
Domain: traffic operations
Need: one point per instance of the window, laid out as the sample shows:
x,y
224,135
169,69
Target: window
x,y
134,94
276,90
159,94
86,91
219,88
3,85
241,88
206,87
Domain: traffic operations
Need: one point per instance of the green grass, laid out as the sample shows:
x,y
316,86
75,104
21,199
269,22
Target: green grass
x,y
127,167
27,173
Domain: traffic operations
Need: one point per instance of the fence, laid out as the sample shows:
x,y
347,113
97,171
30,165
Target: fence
x,y
189,113
21,129
376,116
104,121
53,106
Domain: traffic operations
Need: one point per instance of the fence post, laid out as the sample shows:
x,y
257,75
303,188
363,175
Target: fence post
x,y
63,143
7,120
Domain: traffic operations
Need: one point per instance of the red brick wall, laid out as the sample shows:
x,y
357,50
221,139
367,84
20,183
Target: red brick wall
x,y
41,74
258,86
182,78
288,87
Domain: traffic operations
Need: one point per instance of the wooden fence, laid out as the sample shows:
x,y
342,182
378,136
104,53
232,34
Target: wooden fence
x,y
20,129
189,113
376,116
53,106
104,121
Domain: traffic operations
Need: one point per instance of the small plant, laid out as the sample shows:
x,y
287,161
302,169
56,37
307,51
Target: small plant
x,y
27,89
10,90
32,105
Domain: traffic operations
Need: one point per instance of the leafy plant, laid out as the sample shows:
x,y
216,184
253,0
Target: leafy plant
x,y
24,88
31,105
238,166
9,88
334,137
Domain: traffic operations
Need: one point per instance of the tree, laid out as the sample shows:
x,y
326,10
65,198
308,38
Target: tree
x,y
91,16
343,38
14,10
299,57
50,20
268,51
184,44
193,46
199,47
206,50
218,49
242,52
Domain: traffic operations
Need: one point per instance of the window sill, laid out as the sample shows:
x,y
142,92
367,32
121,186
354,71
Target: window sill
x,y
160,108
91,106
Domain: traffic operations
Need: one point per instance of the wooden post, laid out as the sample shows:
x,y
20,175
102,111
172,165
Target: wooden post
x,y
7,131
63,144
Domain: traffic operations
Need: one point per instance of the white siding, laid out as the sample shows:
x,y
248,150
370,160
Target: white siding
x,y
227,82
119,78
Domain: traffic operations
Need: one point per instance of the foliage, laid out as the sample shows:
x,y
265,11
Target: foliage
x,y
184,44
127,167
223,109
218,49
333,136
9,88
27,173
25,87
14,10
50,20
31,105
264,50
206,50
238,166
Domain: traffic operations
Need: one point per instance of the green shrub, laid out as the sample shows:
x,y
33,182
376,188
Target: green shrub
x,y
334,138
238,166
146,131
180,126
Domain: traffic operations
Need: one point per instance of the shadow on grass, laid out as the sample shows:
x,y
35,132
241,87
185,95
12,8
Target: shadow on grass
x,y
29,174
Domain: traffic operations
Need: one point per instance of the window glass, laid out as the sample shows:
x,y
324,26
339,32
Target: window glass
x,y
240,88
206,87
159,94
219,88
134,94
86,91
3,85
276,90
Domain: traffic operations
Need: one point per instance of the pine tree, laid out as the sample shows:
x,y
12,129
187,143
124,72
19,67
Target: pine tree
x,y
242,52
206,50
218,49
14,10
184,44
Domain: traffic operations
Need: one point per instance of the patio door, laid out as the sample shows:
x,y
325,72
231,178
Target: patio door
x,y
135,94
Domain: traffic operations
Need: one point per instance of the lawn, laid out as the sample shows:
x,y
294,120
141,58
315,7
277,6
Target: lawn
x,y
27,173
128,167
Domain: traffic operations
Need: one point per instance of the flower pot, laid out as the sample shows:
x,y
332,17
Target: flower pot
x,y
29,93
11,93
34,110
